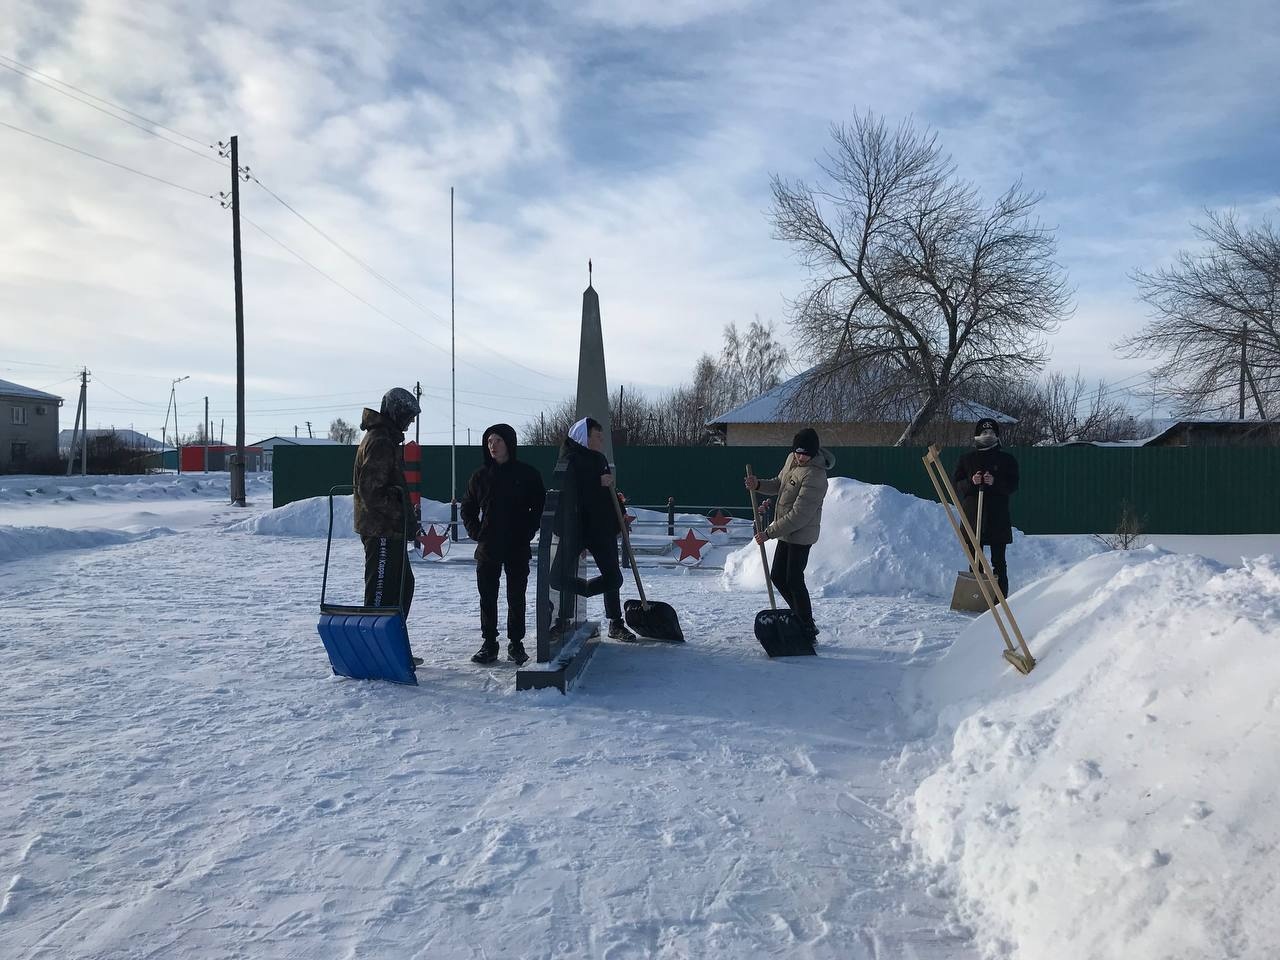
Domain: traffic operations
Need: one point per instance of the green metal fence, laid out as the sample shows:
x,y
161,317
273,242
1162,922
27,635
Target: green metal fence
x,y
1198,490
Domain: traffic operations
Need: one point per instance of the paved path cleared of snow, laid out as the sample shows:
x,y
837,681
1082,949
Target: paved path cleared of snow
x,y
183,776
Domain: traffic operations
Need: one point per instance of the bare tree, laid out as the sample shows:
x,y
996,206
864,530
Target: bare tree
x,y
1057,409
916,289
751,363
1216,322
342,432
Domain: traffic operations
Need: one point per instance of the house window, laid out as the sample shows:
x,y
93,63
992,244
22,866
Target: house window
x,y
19,415
18,453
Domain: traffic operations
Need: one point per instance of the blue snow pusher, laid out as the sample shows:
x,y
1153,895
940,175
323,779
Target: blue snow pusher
x,y
364,643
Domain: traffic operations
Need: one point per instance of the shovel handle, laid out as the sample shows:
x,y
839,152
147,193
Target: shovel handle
x,y
764,557
626,543
977,531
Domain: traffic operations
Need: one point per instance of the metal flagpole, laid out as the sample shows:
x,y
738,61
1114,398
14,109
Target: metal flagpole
x,y
453,389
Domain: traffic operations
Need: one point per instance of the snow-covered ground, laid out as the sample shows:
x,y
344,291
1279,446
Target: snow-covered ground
x,y
183,776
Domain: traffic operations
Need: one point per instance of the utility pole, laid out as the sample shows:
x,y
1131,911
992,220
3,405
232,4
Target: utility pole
x,y
80,430
295,431
310,435
206,434
238,464
417,423
173,402
1244,364
453,389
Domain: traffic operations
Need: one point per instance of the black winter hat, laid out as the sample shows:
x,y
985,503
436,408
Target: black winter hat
x,y
986,423
806,441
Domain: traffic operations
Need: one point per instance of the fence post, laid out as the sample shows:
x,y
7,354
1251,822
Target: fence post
x,y
671,516
413,476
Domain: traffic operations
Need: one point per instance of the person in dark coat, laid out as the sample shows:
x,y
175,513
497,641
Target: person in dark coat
x,y
501,511
379,502
995,473
598,521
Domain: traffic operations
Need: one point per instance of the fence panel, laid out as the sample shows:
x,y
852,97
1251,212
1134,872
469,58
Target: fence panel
x,y
1204,490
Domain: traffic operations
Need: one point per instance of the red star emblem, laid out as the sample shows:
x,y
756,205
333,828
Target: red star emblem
x,y
690,546
720,522
432,541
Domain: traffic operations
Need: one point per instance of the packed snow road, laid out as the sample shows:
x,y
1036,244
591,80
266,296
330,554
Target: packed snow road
x,y
183,776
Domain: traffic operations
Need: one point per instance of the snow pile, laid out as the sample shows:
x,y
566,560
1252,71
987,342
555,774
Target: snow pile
x,y
310,518
21,542
1120,801
877,540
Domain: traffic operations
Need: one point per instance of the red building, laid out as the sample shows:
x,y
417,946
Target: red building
x,y
193,458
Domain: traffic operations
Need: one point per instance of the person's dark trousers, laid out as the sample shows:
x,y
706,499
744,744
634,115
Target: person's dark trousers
x,y
488,573
384,559
787,574
608,582
1000,564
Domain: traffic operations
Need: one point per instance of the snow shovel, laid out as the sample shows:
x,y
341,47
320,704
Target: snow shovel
x,y
651,619
780,632
366,643
1018,655
966,596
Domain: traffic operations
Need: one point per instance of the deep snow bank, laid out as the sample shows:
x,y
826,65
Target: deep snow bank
x,y
877,540
1121,801
27,489
20,542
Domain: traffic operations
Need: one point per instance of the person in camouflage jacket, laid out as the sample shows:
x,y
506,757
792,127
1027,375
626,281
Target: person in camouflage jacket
x,y
381,498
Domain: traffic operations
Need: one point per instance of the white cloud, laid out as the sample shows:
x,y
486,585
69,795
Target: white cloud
x,y
641,135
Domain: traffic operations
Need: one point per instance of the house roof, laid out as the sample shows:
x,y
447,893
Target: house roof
x,y
1164,427
129,438
296,442
769,406
11,389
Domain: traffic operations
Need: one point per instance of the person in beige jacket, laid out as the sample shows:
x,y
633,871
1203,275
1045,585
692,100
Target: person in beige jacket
x,y
797,518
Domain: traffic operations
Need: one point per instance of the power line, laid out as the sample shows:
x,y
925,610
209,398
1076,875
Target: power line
x,y
337,283
154,123
93,106
391,284
113,163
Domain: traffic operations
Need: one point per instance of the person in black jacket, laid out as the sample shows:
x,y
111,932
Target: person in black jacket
x,y
501,511
598,521
995,473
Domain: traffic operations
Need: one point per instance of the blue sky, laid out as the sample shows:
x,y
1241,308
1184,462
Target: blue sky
x,y
639,134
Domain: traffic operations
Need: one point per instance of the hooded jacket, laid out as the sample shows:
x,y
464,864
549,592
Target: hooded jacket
x,y
800,488
598,521
378,480
502,507
997,524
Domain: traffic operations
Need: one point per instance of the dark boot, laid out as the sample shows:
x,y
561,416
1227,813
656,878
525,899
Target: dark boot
x,y
487,654
618,631
516,652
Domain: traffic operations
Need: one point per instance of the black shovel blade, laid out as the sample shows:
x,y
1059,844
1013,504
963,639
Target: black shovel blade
x,y
659,622
782,634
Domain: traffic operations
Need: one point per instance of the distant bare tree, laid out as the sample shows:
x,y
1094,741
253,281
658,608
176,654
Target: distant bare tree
x,y
751,363
916,289
342,432
1058,409
1216,322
